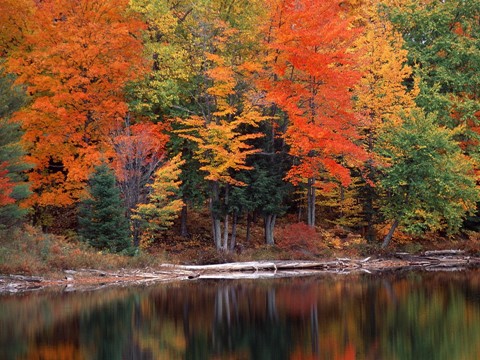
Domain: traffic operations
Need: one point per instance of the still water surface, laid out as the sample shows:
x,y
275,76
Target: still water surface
x,y
404,316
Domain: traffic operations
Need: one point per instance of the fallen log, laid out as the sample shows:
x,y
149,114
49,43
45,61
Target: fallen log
x,y
444,252
77,279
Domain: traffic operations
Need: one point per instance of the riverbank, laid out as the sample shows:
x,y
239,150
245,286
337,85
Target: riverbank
x,y
92,279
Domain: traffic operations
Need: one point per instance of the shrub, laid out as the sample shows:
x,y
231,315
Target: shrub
x,y
298,237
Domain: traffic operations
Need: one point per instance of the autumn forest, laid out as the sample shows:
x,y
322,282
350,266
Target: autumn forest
x,y
120,120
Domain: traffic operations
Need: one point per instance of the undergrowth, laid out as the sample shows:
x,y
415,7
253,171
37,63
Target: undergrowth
x,y
29,251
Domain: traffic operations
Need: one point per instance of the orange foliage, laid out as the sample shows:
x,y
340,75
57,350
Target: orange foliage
x,y
311,77
222,145
60,351
75,59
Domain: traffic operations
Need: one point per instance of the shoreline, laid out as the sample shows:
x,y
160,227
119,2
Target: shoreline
x,y
93,279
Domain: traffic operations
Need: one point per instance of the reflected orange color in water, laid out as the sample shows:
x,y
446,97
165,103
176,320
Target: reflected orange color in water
x,y
349,353
60,351
405,316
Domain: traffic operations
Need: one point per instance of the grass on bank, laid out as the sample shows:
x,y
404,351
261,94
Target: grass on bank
x,y
29,251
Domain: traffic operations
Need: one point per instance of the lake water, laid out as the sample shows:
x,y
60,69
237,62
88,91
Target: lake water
x,y
405,316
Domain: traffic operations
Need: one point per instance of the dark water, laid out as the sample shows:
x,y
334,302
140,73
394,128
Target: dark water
x,y
406,316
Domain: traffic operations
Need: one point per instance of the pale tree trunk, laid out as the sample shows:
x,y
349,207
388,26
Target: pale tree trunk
x,y
387,239
216,221
220,238
217,233
269,225
311,202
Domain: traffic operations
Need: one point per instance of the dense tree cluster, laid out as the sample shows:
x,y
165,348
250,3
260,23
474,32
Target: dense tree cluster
x,y
357,113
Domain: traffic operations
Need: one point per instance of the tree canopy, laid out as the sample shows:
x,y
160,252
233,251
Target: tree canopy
x,y
361,112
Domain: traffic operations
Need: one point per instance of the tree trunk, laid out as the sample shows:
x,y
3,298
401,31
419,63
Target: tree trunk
x,y
217,233
314,329
269,224
369,214
368,206
216,222
226,220
136,233
272,304
225,233
387,239
233,238
311,202
183,222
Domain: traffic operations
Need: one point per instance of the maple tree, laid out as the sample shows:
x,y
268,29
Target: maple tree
x,y
310,78
227,105
15,18
139,150
431,185
442,39
164,203
75,60
380,97
168,42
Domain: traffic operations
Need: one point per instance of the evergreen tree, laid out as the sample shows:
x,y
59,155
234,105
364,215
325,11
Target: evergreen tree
x,y
102,218
13,186
430,184
269,194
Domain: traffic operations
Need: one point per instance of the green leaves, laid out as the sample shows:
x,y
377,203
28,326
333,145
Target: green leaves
x,y
443,43
430,183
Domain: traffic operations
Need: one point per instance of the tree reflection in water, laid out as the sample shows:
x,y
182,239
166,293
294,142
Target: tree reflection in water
x,y
406,316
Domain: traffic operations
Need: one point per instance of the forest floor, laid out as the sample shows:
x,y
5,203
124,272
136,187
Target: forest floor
x,y
32,260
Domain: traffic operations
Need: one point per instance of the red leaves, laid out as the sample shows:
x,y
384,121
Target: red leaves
x,y
139,148
311,78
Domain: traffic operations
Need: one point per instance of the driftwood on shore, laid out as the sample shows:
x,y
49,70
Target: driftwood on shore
x,y
92,279
431,260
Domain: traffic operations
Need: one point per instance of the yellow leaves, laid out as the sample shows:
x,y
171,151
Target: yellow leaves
x,y
221,147
381,93
163,204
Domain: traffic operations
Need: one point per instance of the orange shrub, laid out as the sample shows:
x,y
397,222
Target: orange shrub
x,y
298,237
